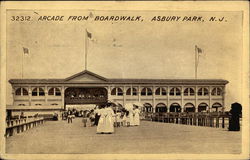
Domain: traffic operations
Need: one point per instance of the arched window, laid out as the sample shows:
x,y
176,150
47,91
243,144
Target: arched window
x,y
161,91
146,92
216,107
189,92
203,107
21,92
54,92
117,91
175,92
217,92
161,107
38,92
203,92
134,93
189,107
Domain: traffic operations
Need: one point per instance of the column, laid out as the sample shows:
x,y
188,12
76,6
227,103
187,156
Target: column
x,y
124,95
14,95
46,95
168,103
153,94
139,93
223,98
182,98
109,92
210,98
30,94
62,97
196,98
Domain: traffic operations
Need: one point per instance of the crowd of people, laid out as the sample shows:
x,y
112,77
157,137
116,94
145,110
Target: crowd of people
x,y
106,118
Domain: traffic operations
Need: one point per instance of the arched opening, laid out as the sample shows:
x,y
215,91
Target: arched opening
x,y
134,92
161,108
54,92
148,107
189,107
117,91
203,107
203,92
175,107
146,92
216,92
216,107
161,91
175,92
189,92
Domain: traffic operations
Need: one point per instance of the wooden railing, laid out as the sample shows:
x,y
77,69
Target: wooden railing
x,y
214,119
20,125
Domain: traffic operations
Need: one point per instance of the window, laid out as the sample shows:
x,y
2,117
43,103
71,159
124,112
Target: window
x,y
203,92
161,91
117,91
175,92
189,92
38,92
21,92
146,92
129,92
54,92
18,92
216,92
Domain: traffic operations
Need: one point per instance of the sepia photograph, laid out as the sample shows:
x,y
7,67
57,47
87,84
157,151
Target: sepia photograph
x,y
120,79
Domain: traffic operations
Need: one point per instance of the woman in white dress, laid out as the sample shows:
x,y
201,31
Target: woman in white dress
x,y
131,117
102,120
109,120
137,116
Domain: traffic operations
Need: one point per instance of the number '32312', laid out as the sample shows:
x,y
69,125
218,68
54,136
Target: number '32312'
x,y
20,18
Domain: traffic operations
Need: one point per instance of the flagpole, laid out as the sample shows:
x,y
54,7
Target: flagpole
x,y
85,49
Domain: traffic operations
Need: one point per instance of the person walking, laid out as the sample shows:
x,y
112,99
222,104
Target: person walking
x,y
109,120
101,122
97,116
136,116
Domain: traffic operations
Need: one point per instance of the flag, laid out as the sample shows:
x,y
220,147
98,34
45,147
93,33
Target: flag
x,y
25,50
199,50
89,35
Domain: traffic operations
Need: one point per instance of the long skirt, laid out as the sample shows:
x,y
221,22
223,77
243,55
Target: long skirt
x,y
101,125
137,120
109,125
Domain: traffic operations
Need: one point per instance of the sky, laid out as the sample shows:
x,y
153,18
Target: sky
x,y
131,49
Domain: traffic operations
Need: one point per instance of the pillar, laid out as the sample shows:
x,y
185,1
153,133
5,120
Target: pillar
x,y
182,98
30,94
223,98
124,95
153,94
62,97
139,93
168,104
46,95
196,98
210,98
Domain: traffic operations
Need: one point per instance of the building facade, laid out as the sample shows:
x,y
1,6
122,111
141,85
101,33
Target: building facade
x,y
157,95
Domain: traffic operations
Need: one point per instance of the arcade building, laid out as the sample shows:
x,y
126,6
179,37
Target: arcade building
x,y
87,88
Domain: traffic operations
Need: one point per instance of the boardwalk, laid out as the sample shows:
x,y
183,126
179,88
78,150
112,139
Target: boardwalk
x,y
149,138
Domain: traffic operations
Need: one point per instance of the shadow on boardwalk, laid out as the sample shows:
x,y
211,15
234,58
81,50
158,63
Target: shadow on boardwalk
x,y
149,138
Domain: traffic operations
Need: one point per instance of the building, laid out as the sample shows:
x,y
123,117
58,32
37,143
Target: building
x,y
84,88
